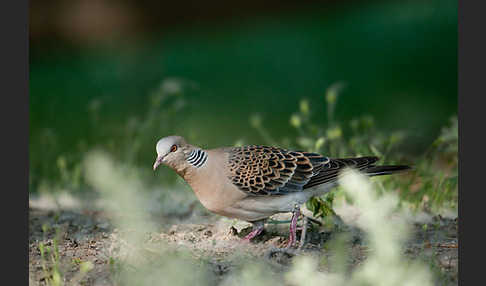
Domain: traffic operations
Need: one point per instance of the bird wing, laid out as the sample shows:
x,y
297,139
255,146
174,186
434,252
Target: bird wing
x,y
263,170
329,172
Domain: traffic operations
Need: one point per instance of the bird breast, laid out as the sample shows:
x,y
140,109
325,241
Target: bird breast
x,y
210,184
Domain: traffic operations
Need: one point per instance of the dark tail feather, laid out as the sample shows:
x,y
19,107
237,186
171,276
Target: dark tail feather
x,y
385,170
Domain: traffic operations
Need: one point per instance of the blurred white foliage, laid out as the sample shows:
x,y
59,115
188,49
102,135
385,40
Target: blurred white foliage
x,y
254,274
122,190
305,273
386,264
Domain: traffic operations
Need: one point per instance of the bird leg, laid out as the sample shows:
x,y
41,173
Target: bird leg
x,y
257,229
293,226
304,231
306,221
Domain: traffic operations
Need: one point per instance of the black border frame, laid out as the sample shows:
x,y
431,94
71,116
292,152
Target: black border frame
x,y
15,119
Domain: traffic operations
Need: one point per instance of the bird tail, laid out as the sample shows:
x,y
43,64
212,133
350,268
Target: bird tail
x,y
385,170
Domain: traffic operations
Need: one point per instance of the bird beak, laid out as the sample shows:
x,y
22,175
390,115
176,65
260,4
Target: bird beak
x,y
158,161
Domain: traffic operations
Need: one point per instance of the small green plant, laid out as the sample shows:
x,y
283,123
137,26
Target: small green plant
x,y
321,206
328,139
50,259
434,174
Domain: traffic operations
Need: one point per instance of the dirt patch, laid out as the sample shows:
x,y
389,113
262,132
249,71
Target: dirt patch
x,y
90,236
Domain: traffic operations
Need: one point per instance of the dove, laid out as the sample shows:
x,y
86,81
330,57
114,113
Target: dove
x,y
252,183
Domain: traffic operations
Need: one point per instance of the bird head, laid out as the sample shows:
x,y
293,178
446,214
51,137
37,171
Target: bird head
x,y
171,151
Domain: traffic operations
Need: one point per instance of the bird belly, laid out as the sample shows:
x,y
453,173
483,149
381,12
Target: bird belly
x,y
258,207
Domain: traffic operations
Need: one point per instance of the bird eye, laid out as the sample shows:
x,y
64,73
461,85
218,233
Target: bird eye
x,y
173,148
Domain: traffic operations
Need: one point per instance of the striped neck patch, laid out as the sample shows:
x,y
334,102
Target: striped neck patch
x,y
197,158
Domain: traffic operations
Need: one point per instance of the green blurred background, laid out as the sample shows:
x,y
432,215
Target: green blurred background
x,y
96,68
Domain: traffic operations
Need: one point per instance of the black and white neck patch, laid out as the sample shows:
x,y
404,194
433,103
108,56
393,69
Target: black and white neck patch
x,y
197,158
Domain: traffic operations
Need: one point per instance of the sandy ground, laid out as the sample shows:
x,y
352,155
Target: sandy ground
x,y
89,235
